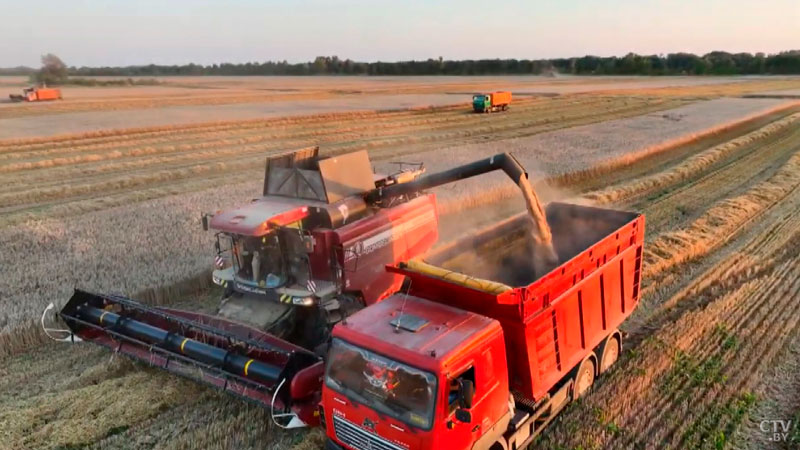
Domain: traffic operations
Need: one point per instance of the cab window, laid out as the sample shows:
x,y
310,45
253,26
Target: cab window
x,y
452,396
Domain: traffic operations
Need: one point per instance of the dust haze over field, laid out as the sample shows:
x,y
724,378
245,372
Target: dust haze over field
x,y
713,346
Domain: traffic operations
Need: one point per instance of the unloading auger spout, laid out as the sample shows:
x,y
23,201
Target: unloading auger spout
x,y
544,257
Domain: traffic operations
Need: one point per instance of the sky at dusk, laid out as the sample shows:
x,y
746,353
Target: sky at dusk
x,y
133,32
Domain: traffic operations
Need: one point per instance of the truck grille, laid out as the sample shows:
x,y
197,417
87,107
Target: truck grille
x,y
356,437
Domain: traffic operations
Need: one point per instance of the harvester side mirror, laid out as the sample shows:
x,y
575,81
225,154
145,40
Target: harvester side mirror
x,y
308,244
204,220
463,416
466,392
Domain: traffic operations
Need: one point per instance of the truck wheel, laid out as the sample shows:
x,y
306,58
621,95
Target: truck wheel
x,y
584,379
610,353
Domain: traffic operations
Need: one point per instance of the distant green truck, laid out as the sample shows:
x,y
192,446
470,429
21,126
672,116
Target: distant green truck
x,y
493,101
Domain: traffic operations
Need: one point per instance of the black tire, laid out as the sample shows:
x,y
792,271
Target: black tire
x,y
314,327
609,353
584,378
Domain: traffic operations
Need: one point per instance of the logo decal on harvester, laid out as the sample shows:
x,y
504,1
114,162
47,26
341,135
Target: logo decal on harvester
x,y
386,237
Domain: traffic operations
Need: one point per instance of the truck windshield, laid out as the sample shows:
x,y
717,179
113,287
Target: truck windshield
x,y
382,384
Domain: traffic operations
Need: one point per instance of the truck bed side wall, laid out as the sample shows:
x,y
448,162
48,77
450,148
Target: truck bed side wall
x,y
48,94
501,98
554,321
560,336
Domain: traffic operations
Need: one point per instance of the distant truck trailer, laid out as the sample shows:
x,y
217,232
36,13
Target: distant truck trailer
x,y
37,94
491,102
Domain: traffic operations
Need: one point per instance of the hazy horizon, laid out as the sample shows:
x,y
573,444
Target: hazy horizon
x,y
107,33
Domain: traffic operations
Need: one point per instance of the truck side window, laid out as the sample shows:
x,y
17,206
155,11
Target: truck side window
x,y
452,396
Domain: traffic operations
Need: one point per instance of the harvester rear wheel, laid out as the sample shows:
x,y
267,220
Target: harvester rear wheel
x,y
584,379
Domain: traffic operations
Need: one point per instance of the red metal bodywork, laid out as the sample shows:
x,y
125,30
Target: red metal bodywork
x,y
361,248
254,219
389,236
548,328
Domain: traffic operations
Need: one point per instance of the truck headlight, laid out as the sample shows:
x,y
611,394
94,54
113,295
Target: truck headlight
x,y
303,301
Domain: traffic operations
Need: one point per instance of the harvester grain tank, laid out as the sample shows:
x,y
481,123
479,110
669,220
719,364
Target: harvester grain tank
x,y
37,94
482,351
491,102
416,367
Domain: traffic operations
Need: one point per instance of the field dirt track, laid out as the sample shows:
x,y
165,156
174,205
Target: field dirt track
x,y
711,351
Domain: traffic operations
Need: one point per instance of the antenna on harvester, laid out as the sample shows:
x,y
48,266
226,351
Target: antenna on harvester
x,y
403,307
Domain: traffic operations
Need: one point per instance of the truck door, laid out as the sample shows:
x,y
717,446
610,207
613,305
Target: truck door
x,y
485,368
460,434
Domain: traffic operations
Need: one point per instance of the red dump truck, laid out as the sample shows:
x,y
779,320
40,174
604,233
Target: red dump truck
x,y
481,352
37,94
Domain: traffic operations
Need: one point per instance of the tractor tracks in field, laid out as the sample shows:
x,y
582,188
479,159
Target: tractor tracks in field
x,y
45,181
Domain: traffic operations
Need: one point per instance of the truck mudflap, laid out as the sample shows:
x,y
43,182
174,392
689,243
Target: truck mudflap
x,y
232,357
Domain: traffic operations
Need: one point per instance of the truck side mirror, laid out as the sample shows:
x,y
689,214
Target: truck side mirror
x,y
463,416
466,392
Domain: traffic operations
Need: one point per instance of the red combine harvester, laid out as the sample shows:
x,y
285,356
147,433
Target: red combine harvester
x,y
312,249
483,346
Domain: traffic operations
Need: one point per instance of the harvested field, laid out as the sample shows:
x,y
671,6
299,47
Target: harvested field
x,y
720,188
183,100
601,147
87,172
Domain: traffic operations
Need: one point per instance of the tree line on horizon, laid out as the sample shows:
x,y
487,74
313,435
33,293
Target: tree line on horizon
x,y
714,63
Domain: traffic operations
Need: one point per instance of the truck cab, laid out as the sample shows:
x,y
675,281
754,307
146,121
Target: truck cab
x,y
481,102
409,373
